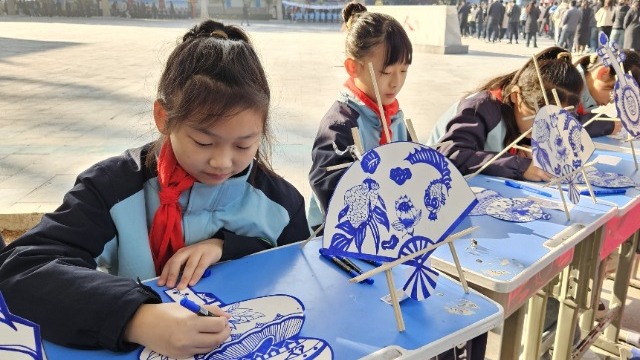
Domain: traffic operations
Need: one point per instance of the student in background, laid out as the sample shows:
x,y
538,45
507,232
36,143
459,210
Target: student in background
x,y
371,38
208,172
599,81
493,116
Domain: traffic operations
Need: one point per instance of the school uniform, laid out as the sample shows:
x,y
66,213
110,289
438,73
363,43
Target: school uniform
x,y
347,112
49,275
477,127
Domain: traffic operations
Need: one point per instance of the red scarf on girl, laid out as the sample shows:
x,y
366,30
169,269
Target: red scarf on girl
x,y
165,236
389,110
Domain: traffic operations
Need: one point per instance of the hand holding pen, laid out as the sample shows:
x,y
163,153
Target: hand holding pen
x,y
345,265
168,329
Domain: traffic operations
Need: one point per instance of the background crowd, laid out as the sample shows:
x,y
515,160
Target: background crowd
x,y
572,24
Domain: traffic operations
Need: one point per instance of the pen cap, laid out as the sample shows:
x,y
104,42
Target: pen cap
x,y
190,304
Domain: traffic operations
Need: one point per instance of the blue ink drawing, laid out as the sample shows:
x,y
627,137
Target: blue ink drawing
x,y
560,145
626,93
406,204
495,205
19,338
261,328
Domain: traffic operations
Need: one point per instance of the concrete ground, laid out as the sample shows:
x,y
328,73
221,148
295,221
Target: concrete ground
x,y
75,91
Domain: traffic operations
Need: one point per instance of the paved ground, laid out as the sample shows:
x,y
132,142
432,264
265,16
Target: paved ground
x,y
75,91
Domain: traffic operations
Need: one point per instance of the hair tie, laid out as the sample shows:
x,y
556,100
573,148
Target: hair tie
x,y
220,34
564,56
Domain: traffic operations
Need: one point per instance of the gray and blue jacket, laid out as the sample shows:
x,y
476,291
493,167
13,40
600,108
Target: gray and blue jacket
x,y
49,275
476,128
346,112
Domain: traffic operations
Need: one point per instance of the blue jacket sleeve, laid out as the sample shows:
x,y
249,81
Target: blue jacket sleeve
x,y
49,275
335,127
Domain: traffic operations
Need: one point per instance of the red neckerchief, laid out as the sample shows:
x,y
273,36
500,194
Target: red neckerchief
x,y
389,110
165,236
497,93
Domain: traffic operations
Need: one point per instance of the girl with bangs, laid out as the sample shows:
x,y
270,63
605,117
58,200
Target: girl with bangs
x,y
371,38
203,193
477,127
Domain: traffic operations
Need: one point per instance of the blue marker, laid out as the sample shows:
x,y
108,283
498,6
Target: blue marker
x,y
604,192
343,266
517,185
196,308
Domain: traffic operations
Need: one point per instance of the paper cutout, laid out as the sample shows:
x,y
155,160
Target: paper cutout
x,y
491,203
393,202
560,145
516,210
261,328
19,338
606,179
626,92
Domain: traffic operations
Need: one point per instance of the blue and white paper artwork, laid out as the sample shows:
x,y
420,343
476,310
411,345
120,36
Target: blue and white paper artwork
x,y
560,145
491,203
626,93
606,179
398,199
261,328
19,338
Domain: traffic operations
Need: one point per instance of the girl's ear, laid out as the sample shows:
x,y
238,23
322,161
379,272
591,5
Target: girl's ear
x,y
515,90
160,116
351,65
603,73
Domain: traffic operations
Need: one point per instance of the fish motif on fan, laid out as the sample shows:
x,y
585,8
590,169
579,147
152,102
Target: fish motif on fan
x,y
398,199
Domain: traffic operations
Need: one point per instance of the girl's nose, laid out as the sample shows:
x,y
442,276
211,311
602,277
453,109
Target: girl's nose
x,y
221,158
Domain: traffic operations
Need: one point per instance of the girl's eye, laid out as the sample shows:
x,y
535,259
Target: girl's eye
x,y
201,144
243,147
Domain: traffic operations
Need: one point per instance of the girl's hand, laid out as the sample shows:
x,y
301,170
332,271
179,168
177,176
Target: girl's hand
x,y
617,126
534,173
192,260
176,332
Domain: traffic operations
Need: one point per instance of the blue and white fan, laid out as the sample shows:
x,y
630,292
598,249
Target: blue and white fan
x,y
398,199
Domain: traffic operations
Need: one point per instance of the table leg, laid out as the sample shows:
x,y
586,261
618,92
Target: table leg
x,y
534,323
512,335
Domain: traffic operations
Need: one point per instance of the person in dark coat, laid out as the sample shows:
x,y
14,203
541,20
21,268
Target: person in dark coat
x,y
494,20
583,31
514,18
481,16
617,31
531,25
463,17
632,27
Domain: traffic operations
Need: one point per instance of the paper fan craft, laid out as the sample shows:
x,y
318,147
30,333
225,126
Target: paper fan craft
x,y
261,328
560,145
495,205
626,92
19,338
398,199
606,179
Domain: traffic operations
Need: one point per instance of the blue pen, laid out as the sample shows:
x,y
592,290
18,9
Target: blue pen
x,y
517,185
604,192
343,266
196,308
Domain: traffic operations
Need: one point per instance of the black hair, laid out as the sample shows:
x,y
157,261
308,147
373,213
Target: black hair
x,y
213,74
557,73
367,30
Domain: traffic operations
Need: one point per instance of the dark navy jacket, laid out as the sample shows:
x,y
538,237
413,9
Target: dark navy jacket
x,y
477,127
346,113
49,275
